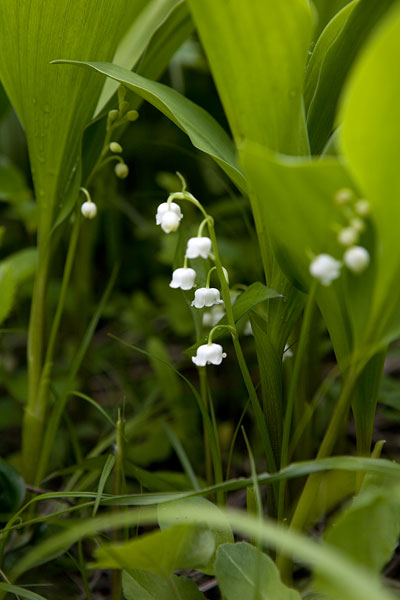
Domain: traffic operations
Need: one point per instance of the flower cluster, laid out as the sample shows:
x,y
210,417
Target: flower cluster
x,y
356,258
168,217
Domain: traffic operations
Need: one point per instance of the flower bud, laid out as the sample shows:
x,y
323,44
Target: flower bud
x,y
206,297
213,316
198,247
183,278
362,208
357,224
348,236
209,354
356,259
343,196
121,170
115,147
132,115
112,115
325,268
89,210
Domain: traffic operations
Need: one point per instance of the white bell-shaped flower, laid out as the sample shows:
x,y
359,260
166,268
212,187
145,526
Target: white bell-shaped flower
x,y
89,210
183,278
356,259
213,316
206,297
209,354
169,216
325,268
348,236
362,207
198,247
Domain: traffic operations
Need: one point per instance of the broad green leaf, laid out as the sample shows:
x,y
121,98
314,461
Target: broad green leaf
x,y
143,585
302,218
367,531
204,132
7,290
12,488
243,571
55,103
318,80
369,140
263,103
331,60
182,546
172,513
148,17
326,10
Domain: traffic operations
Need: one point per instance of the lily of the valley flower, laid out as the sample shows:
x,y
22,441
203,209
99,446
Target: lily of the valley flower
x,y
168,216
206,297
356,259
198,247
348,236
209,354
213,316
89,209
183,278
325,268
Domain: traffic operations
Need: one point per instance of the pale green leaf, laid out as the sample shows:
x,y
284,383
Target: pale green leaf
x,y
369,138
257,53
243,571
182,546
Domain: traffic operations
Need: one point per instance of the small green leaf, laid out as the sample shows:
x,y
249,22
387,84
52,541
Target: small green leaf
x,y
23,263
182,546
244,572
7,290
172,513
367,531
12,488
143,585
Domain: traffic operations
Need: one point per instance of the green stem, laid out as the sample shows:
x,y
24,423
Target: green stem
x,y
116,591
44,383
239,353
204,398
34,414
293,390
306,500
